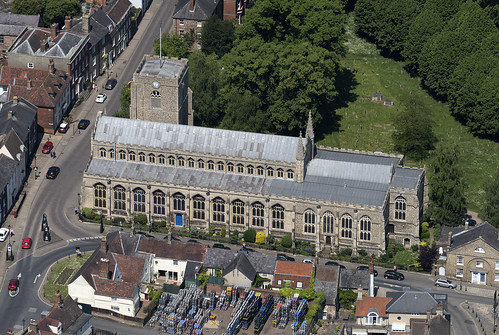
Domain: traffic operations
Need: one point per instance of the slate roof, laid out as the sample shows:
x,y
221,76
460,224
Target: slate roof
x,y
444,233
176,250
326,281
353,278
293,268
191,269
13,24
243,265
64,45
329,289
24,113
327,273
218,258
411,302
7,167
203,9
12,144
263,263
69,315
98,26
438,325
368,304
484,231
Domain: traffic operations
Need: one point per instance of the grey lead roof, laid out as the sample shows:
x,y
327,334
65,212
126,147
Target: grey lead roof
x,y
203,9
484,231
374,173
220,142
165,68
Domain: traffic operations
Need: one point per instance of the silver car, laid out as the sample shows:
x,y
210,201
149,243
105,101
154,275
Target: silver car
x,y
443,282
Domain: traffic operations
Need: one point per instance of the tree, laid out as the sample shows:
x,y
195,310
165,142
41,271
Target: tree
x,y
491,210
446,187
347,298
173,46
28,7
55,11
414,135
223,232
250,235
270,238
427,256
125,100
286,241
260,237
218,36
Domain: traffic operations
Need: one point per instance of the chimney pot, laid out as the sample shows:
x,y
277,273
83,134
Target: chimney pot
x,y
29,84
85,24
10,114
53,31
449,239
51,66
32,326
15,100
104,268
67,23
103,244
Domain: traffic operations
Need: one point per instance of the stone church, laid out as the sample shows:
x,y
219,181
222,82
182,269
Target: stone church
x,y
195,177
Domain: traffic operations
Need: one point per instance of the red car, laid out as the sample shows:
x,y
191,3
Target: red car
x,y
47,148
13,284
27,243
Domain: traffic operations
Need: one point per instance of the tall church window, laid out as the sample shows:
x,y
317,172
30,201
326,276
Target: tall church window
x,y
400,208
100,196
230,167
211,165
260,170
181,161
139,200
327,223
159,203
346,226
131,156
179,202
238,212
122,154
291,174
280,173
277,217
250,169
218,210
190,162
365,228
258,212
200,164
220,166
198,204
161,159
240,168
155,99
309,222
119,198
142,157
102,152
270,172
111,153
171,160
152,158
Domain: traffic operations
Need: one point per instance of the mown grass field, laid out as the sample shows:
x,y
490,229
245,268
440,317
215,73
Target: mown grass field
x,y
61,274
367,125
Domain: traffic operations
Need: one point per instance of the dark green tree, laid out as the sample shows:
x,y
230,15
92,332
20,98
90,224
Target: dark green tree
x,y
217,36
414,136
173,45
29,7
427,255
56,10
286,241
491,208
446,187
366,17
249,235
205,82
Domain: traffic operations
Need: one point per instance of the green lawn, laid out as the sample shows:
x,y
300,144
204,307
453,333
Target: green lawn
x,y
61,274
367,125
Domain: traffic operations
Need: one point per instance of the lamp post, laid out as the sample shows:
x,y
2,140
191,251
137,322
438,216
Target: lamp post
x,y
79,202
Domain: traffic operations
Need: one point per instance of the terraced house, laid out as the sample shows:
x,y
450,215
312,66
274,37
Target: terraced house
x,y
194,177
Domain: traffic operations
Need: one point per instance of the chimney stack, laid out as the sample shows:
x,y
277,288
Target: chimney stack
x,y
10,114
192,3
67,23
449,239
440,308
359,293
32,326
51,66
57,298
15,100
170,236
371,278
10,331
85,24
103,244
29,84
53,31
104,268
43,46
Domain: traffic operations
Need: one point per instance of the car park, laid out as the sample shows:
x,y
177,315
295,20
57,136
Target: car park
x,y
393,274
286,258
220,246
63,128
330,263
101,97
111,83
26,244
47,147
13,284
52,172
83,124
365,267
444,282
4,233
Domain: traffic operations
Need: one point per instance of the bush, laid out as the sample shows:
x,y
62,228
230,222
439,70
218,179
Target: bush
x,y
271,239
347,252
140,219
362,253
414,248
211,230
286,241
235,235
260,238
223,232
250,235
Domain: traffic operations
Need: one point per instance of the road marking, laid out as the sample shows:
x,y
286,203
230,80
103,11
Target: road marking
x,y
84,238
19,276
36,277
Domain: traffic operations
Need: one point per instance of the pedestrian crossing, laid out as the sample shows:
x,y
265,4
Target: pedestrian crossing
x,y
85,238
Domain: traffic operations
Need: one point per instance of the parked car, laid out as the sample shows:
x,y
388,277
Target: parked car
x,y
4,233
444,282
247,249
471,222
144,234
101,97
13,284
47,148
220,246
63,128
286,258
111,83
193,241
330,263
365,267
173,238
83,124
308,261
52,172
26,243
392,274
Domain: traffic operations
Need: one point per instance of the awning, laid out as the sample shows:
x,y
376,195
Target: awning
x,y
398,327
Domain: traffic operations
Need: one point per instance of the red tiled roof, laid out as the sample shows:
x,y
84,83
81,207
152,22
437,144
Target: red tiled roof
x,y
176,250
294,268
364,305
119,10
112,288
131,267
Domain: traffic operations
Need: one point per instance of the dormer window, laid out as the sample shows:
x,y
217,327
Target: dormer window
x,y
480,250
52,95
110,27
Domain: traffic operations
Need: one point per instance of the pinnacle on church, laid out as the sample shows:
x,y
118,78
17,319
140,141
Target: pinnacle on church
x,y
310,127
300,154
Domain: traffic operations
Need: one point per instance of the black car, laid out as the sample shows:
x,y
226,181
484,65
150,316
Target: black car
x,y
365,267
392,274
247,249
173,238
144,234
52,172
286,258
220,246
335,264
111,83
83,124
193,241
